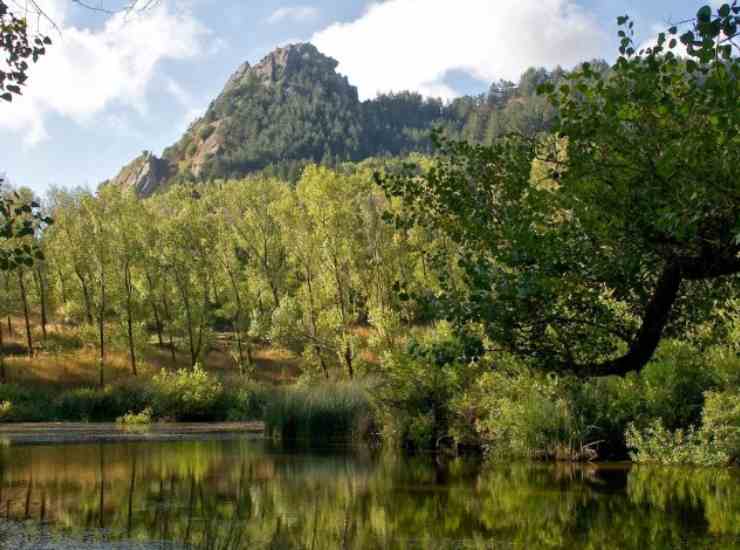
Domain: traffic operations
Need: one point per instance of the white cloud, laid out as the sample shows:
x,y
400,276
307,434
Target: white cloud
x,y
87,71
293,13
411,44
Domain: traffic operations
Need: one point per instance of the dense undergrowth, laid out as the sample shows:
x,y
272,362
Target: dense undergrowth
x,y
438,392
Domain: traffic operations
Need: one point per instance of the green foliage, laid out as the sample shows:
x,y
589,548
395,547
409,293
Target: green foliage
x,y
582,248
96,405
721,420
526,414
325,412
20,220
142,418
415,392
6,411
188,394
26,405
656,444
18,47
244,401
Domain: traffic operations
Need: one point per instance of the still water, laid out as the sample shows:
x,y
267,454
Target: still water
x,y
235,492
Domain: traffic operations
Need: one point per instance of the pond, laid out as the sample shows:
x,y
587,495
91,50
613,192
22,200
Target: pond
x,y
234,491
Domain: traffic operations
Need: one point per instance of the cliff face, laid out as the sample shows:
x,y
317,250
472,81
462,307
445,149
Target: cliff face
x,y
145,173
243,122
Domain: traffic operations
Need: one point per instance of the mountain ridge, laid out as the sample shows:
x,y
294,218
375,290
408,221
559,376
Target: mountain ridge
x,y
293,108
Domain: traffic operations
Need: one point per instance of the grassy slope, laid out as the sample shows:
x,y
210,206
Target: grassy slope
x,y
60,364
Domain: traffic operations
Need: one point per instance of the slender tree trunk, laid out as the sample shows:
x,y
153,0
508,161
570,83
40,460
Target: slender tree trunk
x,y
237,320
86,296
189,318
26,315
63,285
3,374
155,310
314,328
101,328
7,293
165,304
348,359
129,318
40,284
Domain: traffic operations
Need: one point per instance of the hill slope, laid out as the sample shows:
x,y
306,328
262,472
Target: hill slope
x,y
293,108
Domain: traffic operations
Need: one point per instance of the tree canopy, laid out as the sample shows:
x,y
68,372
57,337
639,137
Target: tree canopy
x,y
584,246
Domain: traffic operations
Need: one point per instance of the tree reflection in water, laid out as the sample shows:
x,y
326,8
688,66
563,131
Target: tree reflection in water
x,y
238,493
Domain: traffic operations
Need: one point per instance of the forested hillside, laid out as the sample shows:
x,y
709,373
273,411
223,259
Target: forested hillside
x,y
293,108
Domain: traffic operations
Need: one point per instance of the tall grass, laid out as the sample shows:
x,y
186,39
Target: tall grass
x,y
319,413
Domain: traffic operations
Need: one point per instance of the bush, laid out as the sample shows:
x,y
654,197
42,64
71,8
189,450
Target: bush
x,y
529,414
245,401
721,421
319,413
6,410
675,382
716,442
95,405
25,405
136,419
417,389
656,444
188,394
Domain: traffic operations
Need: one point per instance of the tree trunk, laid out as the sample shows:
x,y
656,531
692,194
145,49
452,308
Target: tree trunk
x,y
101,328
63,285
314,328
348,359
711,264
129,318
40,284
155,310
86,296
3,374
237,319
166,306
189,318
24,298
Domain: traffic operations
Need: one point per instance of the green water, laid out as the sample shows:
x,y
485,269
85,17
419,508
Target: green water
x,y
234,492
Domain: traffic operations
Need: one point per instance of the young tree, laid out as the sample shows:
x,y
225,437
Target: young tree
x,y
582,249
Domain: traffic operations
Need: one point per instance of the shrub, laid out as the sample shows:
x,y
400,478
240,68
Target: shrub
x,y
530,414
319,413
721,421
675,382
715,442
136,419
96,405
656,444
26,405
6,410
414,399
245,401
188,394
417,389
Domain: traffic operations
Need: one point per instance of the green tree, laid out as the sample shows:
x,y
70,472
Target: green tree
x,y
581,250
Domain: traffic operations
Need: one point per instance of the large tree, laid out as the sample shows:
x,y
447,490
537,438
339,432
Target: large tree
x,y
584,247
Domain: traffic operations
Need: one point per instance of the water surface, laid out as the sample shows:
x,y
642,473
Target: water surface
x,y
232,492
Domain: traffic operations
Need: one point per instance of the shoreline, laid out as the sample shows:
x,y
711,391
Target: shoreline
x,y
82,432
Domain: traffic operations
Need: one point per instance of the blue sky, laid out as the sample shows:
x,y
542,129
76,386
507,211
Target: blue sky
x,y
111,88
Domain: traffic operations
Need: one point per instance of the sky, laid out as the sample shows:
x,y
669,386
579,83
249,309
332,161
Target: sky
x,y
113,86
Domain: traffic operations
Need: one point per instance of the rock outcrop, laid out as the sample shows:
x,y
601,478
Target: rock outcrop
x,y
145,174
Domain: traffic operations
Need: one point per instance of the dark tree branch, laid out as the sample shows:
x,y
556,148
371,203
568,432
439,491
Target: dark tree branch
x,y
709,265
